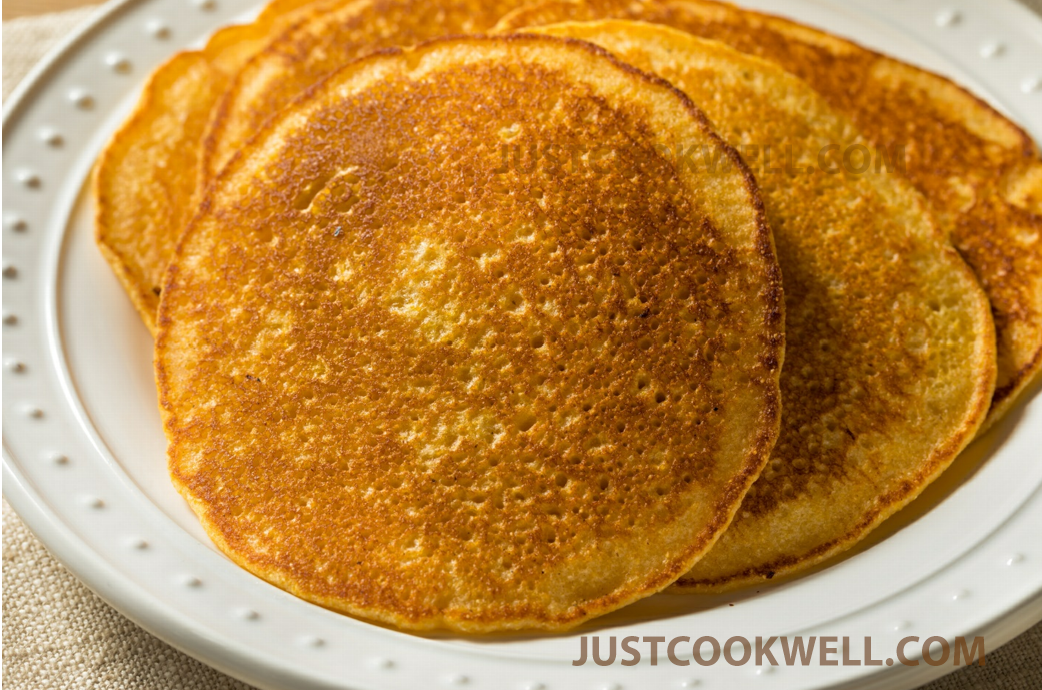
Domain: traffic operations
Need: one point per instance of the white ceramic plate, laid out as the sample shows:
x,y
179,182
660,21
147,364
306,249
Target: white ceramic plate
x,y
84,460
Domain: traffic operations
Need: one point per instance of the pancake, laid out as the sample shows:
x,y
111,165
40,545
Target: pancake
x,y
890,349
981,173
408,378
146,179
333,34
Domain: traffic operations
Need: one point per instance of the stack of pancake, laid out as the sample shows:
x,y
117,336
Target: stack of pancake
x,y
590,300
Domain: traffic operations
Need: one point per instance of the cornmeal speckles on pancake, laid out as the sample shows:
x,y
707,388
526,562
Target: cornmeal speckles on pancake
x,y
979,171
406,386
890,356
146,180
334,33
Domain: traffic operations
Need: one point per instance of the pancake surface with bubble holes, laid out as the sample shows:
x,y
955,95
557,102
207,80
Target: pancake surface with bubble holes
x,y
980,172
333,34
890,358
432,394
146,180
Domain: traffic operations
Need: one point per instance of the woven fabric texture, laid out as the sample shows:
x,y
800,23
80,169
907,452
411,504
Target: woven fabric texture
x,y
58,635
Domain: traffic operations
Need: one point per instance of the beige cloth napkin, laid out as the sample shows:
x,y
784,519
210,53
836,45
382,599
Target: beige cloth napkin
x,y
58,634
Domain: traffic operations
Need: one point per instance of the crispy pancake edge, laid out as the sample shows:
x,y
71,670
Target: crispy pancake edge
x,y
107,174
143,301
208,166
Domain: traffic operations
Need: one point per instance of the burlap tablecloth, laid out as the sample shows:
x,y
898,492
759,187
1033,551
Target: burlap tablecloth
x,y
58,634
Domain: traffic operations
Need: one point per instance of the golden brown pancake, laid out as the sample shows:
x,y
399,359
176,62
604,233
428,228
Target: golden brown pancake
x,y
146,179
334,33
890,348
980,172
411,378
151,177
